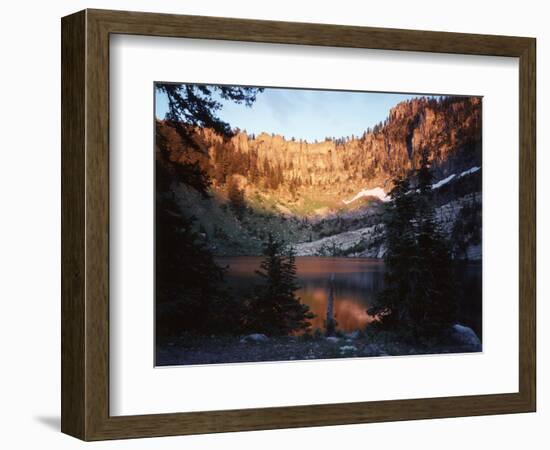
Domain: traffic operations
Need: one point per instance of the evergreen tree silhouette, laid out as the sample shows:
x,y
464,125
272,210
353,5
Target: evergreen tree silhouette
x,y
420,292
189,291
277,309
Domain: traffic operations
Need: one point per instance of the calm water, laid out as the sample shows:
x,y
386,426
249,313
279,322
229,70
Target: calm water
x,y
356,283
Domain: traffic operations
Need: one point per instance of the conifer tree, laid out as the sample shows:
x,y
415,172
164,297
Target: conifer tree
x,y
435,302
190,295
189,284
276,310
393,304
419,296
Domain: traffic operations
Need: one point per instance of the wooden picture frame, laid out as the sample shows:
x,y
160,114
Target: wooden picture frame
x,y
85,224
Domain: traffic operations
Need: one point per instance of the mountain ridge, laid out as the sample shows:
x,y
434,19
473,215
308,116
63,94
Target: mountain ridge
x,y
303,191
450,129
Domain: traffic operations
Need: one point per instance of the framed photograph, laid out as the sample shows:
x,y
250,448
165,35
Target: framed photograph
x,y
270,225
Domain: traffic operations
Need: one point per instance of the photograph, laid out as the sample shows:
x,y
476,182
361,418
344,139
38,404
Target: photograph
x,y
297,224
267,225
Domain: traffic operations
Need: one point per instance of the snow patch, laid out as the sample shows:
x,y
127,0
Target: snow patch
x,y
443,181
450,177
469,171
377,192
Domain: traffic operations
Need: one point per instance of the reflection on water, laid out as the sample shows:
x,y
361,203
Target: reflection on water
x,y
356,283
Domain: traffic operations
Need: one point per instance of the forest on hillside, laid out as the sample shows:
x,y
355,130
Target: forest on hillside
x,y
406,191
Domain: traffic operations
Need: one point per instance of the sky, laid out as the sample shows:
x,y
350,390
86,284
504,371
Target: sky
x,y
306,114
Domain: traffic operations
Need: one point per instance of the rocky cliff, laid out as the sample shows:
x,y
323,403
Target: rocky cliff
x,y
450,129
306,191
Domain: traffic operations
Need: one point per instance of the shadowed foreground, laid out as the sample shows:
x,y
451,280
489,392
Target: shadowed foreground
x,y
192,350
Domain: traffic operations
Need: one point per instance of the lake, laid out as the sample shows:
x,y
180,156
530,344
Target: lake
x,y
356,283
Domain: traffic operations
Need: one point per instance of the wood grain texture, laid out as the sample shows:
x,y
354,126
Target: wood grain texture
x,y
72,224
527,224
266,31
85,224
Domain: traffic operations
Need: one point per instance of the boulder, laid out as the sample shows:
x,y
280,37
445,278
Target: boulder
x,y
255,337
348,350
333,339
463,335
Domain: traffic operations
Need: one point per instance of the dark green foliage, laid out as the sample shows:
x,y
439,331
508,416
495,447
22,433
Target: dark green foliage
x,y
275,309
188,172
435,294
196,105
190,293
189,284
467,228
394,303
420,288
191,106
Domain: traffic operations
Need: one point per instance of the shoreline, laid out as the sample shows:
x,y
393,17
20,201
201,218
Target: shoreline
x,y
200,350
